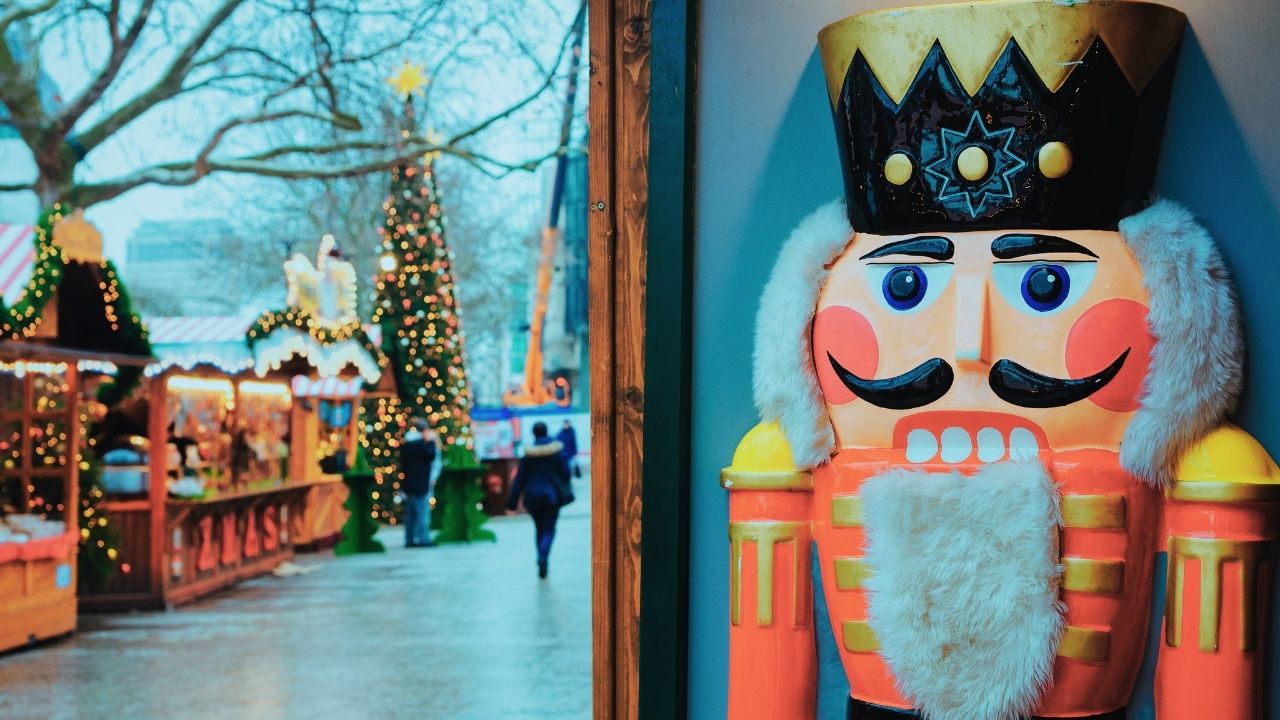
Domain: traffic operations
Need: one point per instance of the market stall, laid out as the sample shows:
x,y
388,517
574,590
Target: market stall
x,y
227,461
68,339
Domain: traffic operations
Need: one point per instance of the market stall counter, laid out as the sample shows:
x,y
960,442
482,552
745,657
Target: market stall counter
x,y
228,481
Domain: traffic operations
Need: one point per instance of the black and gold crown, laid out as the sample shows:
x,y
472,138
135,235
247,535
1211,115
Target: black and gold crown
x,y
1000,114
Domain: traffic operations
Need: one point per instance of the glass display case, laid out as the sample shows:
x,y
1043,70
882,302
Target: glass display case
x,y
35,426
260,449
198,447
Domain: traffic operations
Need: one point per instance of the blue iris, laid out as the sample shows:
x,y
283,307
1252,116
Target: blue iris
x,y
904,287
1045,287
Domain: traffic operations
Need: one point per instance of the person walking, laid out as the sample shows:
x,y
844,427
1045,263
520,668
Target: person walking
x,y
568,438
542,480
417,454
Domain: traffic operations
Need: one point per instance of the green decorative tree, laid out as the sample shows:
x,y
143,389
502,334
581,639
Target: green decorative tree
x,y
422,338
361,525
98,559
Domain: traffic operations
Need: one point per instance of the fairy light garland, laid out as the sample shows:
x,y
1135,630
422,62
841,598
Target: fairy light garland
x,y
23,319
327,336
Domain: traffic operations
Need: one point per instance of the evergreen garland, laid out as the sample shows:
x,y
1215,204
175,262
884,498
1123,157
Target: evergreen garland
x,y
299,319
23,318
98,560
132,335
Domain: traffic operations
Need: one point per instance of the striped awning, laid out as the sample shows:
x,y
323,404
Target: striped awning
x,y
197,329
186,342
17,255
326,387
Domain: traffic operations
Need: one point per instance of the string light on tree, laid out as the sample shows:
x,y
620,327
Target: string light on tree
x,y
417,309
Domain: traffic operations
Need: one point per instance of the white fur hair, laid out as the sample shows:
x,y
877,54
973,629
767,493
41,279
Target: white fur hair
x,y
785,383
1197,362
963,592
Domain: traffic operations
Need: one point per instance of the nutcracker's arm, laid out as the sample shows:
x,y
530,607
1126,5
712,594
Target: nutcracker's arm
x,y
1221,523
772,657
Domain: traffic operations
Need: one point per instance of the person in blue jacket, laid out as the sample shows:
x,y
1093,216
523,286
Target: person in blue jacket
x,y
417,456
568,438
542,480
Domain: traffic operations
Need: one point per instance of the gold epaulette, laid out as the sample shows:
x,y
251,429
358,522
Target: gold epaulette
x,y
763,461
1228,466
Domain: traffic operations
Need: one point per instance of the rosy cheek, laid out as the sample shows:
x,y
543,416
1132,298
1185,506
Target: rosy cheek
x,y
1098,338
847,336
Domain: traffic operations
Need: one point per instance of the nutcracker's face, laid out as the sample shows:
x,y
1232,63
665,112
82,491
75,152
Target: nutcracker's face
x,y
982,345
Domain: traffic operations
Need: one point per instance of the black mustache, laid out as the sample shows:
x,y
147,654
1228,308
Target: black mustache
x,y
1016,384
914,388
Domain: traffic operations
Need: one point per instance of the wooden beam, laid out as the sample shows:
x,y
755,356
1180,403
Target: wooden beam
x,y
619,97
600,253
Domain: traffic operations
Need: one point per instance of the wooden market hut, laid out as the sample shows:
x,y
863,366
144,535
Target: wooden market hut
x,y
228,460
68,340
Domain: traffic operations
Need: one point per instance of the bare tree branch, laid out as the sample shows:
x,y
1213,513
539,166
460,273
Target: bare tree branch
x,y
16,187
120,49
18,90
547,81
22,12
169,84
180,174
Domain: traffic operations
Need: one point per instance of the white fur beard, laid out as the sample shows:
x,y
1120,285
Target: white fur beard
x,y
963,593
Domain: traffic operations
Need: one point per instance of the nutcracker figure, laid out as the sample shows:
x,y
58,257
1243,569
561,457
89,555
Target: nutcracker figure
x,y
994,384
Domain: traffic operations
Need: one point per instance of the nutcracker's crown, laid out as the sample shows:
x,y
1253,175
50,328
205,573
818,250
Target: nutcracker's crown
x,y
1000,114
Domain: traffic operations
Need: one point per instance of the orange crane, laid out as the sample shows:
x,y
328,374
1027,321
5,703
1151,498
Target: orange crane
x,y
536,389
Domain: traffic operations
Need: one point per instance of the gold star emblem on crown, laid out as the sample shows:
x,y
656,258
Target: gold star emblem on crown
x,y
409,79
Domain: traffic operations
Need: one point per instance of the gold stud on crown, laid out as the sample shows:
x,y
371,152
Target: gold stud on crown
x,y
898,169
1054,159
973,163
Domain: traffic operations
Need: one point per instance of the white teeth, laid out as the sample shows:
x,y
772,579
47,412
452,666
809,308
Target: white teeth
x,y
956,445
990,445
921,446
1023,445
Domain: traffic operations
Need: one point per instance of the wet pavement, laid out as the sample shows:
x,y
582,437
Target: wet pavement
x,y
460,631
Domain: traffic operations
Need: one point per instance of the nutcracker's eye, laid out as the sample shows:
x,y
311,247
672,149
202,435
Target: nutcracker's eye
x,y
1042,288
906,288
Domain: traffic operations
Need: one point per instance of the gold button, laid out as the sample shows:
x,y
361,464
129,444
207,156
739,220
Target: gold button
x,y
973,163
1054,159
897,169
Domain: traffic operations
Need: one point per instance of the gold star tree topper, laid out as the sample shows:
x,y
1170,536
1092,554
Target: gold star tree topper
x,y
409,79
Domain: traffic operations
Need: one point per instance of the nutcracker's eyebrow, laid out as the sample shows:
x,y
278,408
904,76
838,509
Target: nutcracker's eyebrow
x,y
1007,247
930,246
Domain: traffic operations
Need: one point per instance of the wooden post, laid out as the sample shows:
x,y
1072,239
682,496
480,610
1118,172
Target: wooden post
x,y
157,478
618,197
71,496
303,429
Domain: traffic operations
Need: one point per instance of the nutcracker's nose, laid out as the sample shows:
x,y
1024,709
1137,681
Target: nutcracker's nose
x,y
973,343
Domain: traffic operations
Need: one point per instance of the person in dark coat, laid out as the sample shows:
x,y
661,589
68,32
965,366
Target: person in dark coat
x,y
568,438
417,452
542,474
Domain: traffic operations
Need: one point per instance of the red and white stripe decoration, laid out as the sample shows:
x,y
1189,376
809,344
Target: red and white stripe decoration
x,y
197,329
17,255
326,387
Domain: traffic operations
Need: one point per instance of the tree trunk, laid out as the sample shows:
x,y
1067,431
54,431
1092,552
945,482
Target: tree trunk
x,y
53,185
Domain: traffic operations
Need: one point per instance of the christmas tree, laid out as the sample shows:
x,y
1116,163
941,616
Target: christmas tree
x,y
422,337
